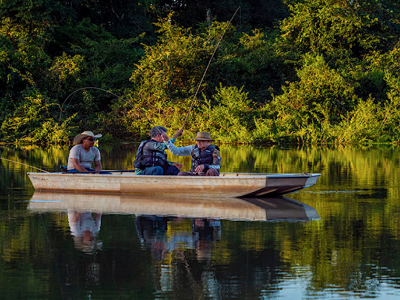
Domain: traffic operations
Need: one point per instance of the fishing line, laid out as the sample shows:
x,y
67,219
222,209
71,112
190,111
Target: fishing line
x,y
195,95
24,164
100,89
204,74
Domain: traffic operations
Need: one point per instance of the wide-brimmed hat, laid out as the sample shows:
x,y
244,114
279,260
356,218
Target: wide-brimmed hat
x,y
79,137
203,136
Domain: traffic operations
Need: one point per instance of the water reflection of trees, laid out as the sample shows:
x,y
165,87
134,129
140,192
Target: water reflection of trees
x,y
345,164
354,245
196,256
191,258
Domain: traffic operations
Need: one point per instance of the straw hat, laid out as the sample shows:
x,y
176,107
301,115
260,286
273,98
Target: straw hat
x,y
79,137
203,136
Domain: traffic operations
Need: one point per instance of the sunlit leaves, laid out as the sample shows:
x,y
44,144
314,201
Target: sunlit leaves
x,y
65,67
32,122
172,67
336,29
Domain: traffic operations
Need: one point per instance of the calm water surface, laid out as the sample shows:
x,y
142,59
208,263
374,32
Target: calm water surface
x,y
56,246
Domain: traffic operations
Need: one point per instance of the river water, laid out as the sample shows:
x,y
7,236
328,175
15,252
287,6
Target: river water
x,y
347,245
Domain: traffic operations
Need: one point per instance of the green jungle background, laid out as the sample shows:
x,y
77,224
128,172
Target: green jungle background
x,y
285,71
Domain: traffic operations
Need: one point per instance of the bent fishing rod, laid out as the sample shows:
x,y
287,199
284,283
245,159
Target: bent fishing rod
x,y
209,62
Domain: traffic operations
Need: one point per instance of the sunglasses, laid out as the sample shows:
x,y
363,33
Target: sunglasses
x,y
90,139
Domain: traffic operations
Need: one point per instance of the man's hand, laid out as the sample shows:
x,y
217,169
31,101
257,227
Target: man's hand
x,y
165,137
178,165
77,165
177,134
199,168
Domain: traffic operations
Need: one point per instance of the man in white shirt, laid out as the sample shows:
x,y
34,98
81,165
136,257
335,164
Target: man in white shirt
x,y
83,154
85,226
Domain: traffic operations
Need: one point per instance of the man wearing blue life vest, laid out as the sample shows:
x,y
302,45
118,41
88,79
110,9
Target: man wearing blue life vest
x,y
206,158
151,158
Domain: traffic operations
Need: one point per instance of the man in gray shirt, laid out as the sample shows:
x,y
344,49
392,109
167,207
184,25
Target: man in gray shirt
x,y
84,153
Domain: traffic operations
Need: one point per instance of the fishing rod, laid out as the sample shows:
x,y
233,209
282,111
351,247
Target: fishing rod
x,y
195,95
204,74
24,164
64,169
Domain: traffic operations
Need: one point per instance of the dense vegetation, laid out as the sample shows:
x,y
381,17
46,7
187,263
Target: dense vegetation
x,y
293,71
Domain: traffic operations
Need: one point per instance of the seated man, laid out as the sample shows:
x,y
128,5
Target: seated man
x,y
84,153
85,227
206,159
151,158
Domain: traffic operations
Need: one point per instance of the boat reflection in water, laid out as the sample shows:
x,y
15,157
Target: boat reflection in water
x,y
154,215
243,209
182,236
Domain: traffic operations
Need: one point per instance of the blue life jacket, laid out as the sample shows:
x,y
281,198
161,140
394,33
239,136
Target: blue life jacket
x,y
147,157
204,157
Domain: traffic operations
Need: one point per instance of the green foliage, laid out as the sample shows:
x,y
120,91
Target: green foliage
x,y
370,73
107,62
31,122
7,60
390,118
250,61
327,74
229,119
337,29
308,106
10,81
171,68
359,125
65,70
33,35
168,75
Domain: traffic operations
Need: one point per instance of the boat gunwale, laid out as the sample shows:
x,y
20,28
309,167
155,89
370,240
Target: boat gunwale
x,y
222,175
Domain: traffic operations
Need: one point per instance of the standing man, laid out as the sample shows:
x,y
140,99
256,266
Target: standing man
x,y
151,158
206,158
84,153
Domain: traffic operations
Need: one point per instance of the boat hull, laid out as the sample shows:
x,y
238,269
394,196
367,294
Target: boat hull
x,y
227,185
